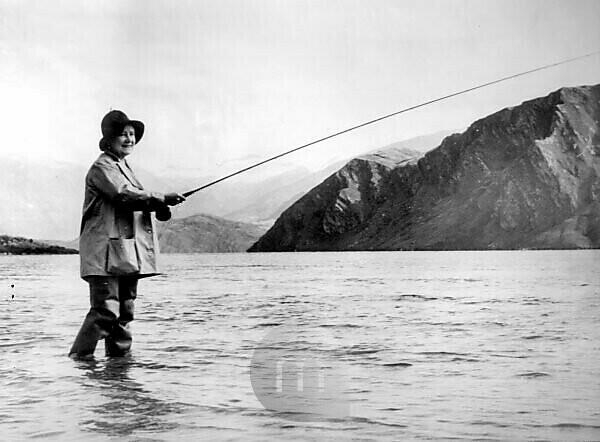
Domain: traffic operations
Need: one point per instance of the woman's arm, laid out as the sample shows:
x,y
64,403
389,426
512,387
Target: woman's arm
x,y
109,181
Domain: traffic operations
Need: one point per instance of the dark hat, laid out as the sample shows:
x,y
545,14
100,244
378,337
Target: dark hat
x,y
113,123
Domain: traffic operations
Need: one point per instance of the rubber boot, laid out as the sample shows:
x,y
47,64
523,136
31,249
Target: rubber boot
x,y
96,326
118,343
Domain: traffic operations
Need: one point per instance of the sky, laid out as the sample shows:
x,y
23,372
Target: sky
x,y
224,83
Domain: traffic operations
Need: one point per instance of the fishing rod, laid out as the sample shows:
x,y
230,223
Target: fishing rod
x,y
407,109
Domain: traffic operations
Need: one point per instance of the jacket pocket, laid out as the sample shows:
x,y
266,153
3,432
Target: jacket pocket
x,y
122,256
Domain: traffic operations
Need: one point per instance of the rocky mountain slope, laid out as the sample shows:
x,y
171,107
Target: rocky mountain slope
x,y
276,196
204,233
524,177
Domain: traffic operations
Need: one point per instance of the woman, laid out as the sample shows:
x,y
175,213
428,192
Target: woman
x,y
118,243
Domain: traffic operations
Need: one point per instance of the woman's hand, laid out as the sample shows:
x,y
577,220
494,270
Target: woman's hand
x,y
172,199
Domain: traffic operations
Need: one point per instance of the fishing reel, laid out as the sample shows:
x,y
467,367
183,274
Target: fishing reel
x,y
163,213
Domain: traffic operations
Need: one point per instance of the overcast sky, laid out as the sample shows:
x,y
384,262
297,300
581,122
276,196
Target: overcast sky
x,y
221,84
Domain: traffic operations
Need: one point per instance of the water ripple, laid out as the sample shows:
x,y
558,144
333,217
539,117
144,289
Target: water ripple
x,y
425,346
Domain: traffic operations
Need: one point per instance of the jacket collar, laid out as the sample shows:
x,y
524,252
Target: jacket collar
x,y
112,155
125,169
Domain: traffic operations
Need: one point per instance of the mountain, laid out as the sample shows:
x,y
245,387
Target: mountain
x,y
523,177
24,246
206,234
279,194
421,144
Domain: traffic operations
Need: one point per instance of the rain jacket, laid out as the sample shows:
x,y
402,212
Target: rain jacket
x,y
118,234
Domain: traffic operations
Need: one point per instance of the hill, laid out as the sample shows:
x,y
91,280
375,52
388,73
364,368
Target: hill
x,y
14,245
205,233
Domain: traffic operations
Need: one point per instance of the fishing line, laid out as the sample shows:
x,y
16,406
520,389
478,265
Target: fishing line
x,y
358,126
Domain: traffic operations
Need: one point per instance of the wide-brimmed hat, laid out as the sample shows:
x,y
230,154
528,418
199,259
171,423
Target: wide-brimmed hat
x,y
113,123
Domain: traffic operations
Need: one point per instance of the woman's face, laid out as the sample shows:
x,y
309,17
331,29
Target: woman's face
x,y
123,144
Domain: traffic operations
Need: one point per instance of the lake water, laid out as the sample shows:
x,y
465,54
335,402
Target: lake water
x,y
467,345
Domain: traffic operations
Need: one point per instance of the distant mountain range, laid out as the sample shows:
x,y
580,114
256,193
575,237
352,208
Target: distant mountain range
x,y
207,234
43,199
524,177
193,234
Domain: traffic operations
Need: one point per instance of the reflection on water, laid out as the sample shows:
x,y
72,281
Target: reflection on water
x,y
127,406
464,345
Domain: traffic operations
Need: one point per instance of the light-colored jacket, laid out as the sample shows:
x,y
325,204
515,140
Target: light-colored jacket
x,y
116,206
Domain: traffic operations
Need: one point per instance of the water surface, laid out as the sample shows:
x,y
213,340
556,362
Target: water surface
x,y
468,345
